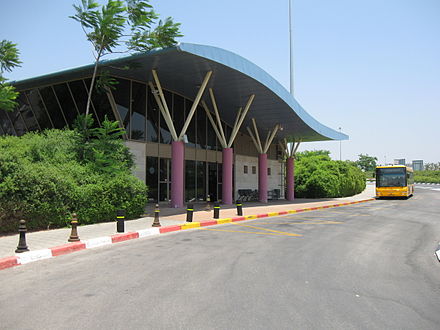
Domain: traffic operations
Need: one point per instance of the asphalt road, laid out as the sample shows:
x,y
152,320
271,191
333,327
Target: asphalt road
x,y
364,266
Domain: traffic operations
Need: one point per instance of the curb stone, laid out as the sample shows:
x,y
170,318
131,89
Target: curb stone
x,y
31,256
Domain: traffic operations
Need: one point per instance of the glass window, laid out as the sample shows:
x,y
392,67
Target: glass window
x,y
268,171
201,118
138,108
212,181
152,118
38,109
201,181
122,98
245,169
52,107
391,177
26,113
79,94
190,179
102,106
100,103
92,108
67,104
254,170
164,169
211,137
151,178
17,121
6,123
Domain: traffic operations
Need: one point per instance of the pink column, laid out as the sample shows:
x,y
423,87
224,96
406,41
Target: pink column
x,y
262,177
227,175
290,179
177,173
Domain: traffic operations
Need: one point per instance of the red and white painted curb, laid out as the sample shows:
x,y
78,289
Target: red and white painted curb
x,y
31,256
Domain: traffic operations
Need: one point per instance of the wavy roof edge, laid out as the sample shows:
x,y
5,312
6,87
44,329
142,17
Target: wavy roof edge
x,y
226,58
252,70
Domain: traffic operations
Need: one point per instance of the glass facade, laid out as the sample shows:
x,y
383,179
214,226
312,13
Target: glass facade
x,y
57,106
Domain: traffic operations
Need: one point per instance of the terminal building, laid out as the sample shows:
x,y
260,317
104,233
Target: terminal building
x,y
201,121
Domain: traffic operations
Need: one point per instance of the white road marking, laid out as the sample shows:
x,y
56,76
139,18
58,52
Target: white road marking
x,y
26,257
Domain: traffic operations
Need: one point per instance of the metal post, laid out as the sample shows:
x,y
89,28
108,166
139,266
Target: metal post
x,y
120,221
239,208
189,213
156,222
22,247
74,232
216,210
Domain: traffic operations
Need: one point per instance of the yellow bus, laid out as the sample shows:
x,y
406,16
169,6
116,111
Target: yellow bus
x,y
394,181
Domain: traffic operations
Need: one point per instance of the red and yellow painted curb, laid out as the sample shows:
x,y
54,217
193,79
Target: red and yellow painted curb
x,y
31,256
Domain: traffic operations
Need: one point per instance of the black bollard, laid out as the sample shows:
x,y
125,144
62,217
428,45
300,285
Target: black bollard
x,y
216,210
156,222
74,232
22,247
189,213
239,208
120,221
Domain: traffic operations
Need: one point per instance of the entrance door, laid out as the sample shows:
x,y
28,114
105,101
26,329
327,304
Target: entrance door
x,y
212,181
164,179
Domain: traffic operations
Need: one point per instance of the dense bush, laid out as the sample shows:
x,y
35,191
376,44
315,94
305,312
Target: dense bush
x,y
427,176
317,176
44,177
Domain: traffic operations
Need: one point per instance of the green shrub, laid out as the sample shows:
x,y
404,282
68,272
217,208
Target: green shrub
x,y
317,176
44,178
427,176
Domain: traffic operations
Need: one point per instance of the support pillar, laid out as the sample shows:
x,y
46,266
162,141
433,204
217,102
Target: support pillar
x,y
227,176
262,177
177,173
290,179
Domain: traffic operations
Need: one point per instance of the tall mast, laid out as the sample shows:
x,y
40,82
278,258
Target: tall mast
x,y
291,46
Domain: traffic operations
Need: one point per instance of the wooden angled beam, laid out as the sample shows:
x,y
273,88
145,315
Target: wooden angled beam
x,y
257,134
254,140
219,136
268,142
164,110
217,116
240,121
195,104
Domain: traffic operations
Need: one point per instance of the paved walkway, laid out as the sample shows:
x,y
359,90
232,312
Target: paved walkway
x,y
168,216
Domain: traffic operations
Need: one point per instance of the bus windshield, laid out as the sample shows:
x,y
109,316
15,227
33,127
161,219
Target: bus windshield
x,y
391,177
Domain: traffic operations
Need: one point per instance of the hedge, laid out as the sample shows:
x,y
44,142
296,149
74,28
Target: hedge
x,y
317,176
44,179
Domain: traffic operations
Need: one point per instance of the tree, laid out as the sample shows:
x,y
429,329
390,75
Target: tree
x,y
366,162
8,60
118,24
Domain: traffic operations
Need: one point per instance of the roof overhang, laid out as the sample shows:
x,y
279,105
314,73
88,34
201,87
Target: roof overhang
x,y
181,69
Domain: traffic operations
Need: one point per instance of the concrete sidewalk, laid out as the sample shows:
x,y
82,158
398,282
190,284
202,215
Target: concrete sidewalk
x,y
168,217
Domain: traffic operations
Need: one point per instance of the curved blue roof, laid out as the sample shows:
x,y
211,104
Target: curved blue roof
x,y
182,68
248,68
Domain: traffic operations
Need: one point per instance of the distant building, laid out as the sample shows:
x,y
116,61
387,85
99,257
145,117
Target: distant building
x,y
399,161
417,165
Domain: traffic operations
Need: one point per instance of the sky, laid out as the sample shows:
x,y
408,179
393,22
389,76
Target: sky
x,y
370,68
